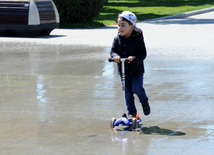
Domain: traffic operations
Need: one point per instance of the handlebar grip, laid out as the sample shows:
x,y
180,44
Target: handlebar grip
x,y
111,59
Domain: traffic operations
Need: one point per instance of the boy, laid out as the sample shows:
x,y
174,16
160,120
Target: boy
x,y
129,43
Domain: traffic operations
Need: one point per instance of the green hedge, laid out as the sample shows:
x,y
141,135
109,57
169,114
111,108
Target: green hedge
x,y
78,10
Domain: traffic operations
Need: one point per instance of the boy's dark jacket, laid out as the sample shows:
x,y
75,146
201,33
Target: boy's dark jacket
x,y
132,46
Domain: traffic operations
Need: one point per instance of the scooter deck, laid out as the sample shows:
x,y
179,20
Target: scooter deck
x,y
125,121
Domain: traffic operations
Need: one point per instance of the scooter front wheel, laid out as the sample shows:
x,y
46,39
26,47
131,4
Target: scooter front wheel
x,y
113,120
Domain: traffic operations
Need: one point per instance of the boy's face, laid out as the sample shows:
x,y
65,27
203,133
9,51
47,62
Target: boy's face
x,y
124,28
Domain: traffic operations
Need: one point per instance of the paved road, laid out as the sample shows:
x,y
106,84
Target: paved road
x,y
58,93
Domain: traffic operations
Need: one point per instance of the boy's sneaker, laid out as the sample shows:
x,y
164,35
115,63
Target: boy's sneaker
x,y
146,108
130,117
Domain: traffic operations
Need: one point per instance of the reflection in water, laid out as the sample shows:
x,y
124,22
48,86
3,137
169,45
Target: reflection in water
x,y
121,138
41,99
125,140
108,69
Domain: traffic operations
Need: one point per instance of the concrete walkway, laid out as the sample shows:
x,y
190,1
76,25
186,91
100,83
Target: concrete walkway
x,y
59,93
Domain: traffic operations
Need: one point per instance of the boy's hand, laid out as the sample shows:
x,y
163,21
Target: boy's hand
x,y
131,58
117,59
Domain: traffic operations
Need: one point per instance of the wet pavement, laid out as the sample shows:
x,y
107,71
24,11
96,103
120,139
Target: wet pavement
x,y
59,93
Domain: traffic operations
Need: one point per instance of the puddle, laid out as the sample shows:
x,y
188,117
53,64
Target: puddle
x,y
32,59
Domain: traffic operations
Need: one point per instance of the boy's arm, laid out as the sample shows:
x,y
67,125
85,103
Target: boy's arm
x,y
114,49
141,50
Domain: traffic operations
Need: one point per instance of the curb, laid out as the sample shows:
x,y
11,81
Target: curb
x,y
183,15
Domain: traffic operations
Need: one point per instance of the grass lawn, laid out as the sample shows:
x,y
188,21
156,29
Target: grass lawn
x,y
144,9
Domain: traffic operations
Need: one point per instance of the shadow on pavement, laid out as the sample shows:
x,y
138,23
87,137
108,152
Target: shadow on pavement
x,y
160,131
13,35
182,21
50,36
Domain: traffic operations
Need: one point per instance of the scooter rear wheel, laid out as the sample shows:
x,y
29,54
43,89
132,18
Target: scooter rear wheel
x,y
134,123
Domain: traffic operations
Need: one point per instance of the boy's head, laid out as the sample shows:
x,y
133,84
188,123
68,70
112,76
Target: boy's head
x,y
125,27
131,18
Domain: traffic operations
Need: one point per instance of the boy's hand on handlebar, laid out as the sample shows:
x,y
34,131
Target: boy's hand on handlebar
x,y
117,59
131,58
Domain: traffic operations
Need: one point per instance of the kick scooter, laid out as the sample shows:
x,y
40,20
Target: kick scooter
x,y
124,120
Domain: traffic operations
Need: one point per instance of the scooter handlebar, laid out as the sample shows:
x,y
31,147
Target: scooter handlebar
x,y
121,59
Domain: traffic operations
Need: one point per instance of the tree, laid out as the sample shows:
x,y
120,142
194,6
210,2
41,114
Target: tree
x,y
75,11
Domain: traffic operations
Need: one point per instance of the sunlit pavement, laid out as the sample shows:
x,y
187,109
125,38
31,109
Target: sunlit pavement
x,y
59,93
